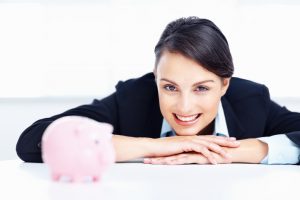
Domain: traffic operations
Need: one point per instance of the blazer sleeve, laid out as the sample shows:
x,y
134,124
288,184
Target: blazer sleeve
x,y
282,121
29,143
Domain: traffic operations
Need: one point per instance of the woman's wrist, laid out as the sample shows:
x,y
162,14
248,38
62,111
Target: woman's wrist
x,y
249,151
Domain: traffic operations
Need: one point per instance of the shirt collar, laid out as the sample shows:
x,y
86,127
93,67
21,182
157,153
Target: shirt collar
x,y
220,127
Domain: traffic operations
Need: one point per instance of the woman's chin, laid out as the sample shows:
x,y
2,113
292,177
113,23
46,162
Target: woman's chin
x,y
186,132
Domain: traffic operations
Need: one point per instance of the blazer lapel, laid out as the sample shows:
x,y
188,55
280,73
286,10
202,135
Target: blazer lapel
x,y
235,128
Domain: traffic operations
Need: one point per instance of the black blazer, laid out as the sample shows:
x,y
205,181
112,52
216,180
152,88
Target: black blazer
x,y
133,110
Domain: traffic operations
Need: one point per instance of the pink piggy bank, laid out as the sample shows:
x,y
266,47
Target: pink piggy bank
x,y
77,148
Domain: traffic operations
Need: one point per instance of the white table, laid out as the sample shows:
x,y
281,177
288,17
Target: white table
x,y
32,181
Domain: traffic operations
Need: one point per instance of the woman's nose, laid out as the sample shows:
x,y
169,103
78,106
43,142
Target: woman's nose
x,y
185,104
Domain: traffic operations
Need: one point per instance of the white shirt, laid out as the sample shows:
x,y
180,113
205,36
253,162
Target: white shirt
x,y
281,150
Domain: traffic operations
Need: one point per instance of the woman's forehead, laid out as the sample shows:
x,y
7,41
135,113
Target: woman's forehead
x,y
176,67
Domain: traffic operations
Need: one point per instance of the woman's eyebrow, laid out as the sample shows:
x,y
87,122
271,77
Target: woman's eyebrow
x,y
197,83
164,79
204,81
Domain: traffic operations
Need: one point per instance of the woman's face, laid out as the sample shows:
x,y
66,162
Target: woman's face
x,y
189,95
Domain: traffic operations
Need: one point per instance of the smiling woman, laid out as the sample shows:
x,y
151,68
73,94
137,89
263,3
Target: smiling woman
x,y
189,110
189,96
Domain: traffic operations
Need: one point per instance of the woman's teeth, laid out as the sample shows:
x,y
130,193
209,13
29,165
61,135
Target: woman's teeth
x,y
186,119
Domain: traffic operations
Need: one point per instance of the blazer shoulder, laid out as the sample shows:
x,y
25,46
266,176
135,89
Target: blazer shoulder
x,y
138,86
138,107
243,88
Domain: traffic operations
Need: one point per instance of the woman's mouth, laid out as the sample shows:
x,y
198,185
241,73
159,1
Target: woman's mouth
x,y
186,120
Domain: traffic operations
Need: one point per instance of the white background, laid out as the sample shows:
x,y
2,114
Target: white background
x,y
74,50
83,47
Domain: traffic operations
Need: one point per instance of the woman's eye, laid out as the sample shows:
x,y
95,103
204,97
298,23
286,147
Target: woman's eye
x,y
170,87
201,88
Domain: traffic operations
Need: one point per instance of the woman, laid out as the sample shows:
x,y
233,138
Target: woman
x,y
192,96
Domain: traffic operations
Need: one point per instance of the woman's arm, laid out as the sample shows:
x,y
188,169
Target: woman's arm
x,y
128,148
249,151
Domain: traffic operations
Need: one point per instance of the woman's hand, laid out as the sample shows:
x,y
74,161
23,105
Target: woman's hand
x,y
186,158
128,148
208,146
250,151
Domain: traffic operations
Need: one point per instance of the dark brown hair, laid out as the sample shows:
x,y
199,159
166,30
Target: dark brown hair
x,y
200,40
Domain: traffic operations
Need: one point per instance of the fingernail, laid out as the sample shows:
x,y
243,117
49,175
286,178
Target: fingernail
x,y
147,160
232,138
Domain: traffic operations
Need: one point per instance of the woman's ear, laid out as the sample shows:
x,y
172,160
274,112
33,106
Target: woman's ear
x,y
225,85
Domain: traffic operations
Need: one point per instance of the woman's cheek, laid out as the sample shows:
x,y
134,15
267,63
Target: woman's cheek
x,y
163,102
210,103
166,106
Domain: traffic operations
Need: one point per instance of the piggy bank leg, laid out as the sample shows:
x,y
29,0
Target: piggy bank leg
x,y
96,178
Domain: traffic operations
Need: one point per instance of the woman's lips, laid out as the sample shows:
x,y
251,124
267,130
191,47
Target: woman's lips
x,y
186,120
